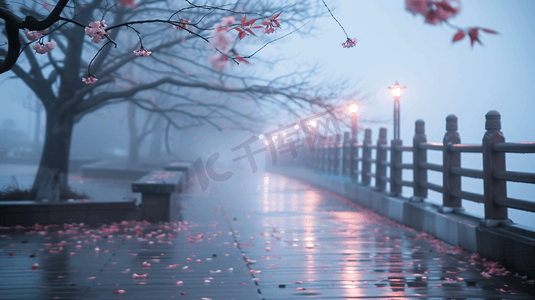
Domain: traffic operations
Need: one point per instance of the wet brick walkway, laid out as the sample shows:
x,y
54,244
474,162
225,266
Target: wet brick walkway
x,y
270,237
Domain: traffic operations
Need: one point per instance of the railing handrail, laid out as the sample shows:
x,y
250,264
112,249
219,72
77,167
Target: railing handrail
x,y
514,147
493,174
431,146
474,148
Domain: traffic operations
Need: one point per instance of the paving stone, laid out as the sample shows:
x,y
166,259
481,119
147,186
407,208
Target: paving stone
x,y
263,239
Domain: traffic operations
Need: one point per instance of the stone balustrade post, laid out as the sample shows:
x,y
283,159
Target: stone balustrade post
x,y
366,156
419,157
395,167
336,154
345,154
493,162
330,151
353,162
380,168
324,155
450,160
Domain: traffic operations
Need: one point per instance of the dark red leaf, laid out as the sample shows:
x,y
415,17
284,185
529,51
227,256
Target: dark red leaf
x,y
238,28
458,36
445,6
473,34
265,22
243,20
489,31
250,22
242,34
250,31
277,15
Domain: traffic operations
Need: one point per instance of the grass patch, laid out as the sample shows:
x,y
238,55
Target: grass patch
x,y
12,192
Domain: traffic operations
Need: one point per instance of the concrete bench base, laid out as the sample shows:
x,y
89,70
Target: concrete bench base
x,y
182,166
160,195
27,213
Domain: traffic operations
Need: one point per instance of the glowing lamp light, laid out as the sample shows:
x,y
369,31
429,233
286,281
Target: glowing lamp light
x,y
353,108
396,90
312,123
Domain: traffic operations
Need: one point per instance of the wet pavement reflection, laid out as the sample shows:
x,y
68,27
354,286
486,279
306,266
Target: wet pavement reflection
x,y
271,237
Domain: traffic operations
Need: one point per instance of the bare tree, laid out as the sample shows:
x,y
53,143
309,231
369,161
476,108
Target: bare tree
x,y
175,35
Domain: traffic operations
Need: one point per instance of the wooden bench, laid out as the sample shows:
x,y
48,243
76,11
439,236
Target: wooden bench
x,y
159,195
181,166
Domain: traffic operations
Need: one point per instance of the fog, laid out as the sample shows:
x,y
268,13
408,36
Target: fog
x,y
393,45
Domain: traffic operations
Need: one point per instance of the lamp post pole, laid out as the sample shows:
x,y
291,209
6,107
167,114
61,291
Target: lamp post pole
x,y
353,127
395,153
396,118
397,91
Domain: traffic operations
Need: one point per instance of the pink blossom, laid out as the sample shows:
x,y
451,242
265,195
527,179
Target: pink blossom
x,y
221,38
42,49
145,265
184,24
89,80
33,35
128,3
227,21
142,52
272,25
350,43
219,61
96,31
140,276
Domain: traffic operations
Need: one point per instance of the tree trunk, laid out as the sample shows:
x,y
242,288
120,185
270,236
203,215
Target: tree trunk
x,y
52,175
134,141
37,133
133,151
157,139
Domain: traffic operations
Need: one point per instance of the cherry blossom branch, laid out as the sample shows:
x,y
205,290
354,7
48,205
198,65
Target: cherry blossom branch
x,y
349,42
335,18
223,9
91,77
12,25
249,56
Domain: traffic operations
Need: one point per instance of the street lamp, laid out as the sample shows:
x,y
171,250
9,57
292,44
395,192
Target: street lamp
x,y
353,164
353,109
397,91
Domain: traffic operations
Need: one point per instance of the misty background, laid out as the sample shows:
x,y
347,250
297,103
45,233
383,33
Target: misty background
x,y
441,79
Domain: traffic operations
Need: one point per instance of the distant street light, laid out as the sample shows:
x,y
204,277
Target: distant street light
x,y
353,109
353,164
397,91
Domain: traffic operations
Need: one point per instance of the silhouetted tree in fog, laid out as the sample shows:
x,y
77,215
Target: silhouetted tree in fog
x,y
78,64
